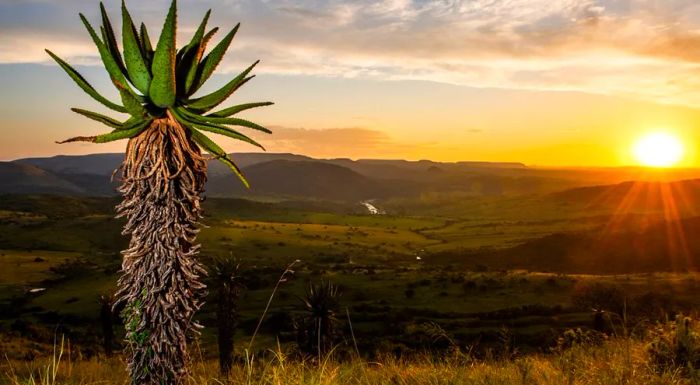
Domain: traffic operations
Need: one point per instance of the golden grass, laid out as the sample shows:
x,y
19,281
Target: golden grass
x,y
617,361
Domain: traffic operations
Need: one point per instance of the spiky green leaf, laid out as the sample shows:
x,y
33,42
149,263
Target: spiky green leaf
x,y
112,136
188,56
212,60
146,44
238,122
110,39
84,85
196,38
133,55
198,122
107,59
206,103
131,102
188,64
191,75
226,112
98,117
199,34
163,89
227,121
218,153
111,122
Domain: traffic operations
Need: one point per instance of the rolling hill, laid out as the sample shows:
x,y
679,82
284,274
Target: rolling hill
x,y
17,178
287,178
301,177
677,198
290,175
665,246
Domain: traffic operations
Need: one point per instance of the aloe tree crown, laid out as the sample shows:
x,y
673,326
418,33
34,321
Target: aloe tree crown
x,y
162,82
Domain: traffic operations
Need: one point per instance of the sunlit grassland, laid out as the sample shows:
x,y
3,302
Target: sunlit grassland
x,y
303,240
374,259
77,297
616,361
25,267
490,208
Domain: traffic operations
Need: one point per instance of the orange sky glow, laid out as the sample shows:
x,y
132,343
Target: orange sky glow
x,y
532,81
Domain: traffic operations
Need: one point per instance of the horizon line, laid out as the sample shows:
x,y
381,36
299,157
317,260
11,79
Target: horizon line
x,y
503,162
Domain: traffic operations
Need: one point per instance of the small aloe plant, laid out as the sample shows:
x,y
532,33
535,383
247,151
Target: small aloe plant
x,y
318,329
162,177
227,286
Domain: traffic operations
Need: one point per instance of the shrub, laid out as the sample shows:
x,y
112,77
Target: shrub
x,y
469,286
600,297
578,337
409,293
675,346
428,335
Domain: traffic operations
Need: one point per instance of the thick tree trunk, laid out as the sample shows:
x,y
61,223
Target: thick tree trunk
x,y
163,179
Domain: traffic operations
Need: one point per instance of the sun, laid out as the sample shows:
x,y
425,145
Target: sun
x,y
659,149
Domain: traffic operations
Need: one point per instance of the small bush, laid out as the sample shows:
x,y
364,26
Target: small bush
x,y
409,293
600,297
469,286
578,337
675,346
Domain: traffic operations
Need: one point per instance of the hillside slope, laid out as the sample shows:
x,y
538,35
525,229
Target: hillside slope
x,y
27,179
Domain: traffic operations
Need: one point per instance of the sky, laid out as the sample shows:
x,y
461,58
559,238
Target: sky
x,y
543,82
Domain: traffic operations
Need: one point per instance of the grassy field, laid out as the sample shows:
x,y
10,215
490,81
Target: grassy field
x,y
393,291
611,362
29,267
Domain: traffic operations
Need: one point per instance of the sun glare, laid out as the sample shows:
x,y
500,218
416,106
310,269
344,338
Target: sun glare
x,y
659,149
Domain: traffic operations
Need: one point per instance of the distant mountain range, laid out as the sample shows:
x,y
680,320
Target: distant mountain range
x,y
295,176
278,175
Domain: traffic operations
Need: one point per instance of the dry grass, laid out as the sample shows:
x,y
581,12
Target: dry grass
x,y
617,361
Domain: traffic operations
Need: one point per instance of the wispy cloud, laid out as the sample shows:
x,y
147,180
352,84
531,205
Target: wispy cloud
x,y
354,142
640,48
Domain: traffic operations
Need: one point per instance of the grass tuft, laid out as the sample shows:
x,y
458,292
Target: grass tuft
x,y
614,361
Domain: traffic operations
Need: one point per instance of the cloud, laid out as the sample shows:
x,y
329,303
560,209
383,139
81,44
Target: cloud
x,y
639,48
353,142
329,142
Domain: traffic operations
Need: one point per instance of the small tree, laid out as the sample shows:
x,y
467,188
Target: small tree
x,y
318,328
227,286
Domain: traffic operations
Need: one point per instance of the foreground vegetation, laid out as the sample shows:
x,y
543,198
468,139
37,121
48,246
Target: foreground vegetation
x,y
664,356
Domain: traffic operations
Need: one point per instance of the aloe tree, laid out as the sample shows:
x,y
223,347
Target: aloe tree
x,y
227,285
162,177
318,327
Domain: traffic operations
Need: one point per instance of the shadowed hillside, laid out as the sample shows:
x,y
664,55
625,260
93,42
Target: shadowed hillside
x,y
665,246
309,179
680,196
26,179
